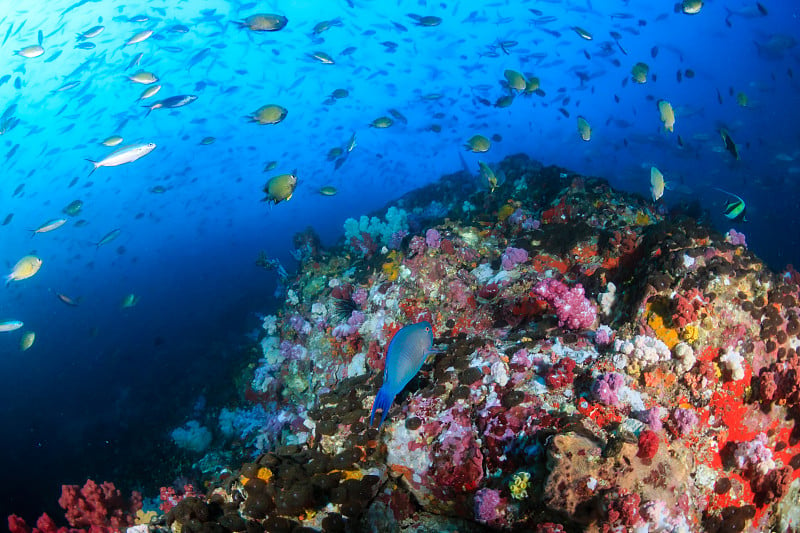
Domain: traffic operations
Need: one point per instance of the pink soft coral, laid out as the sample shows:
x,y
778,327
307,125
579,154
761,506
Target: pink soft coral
x,y
573,309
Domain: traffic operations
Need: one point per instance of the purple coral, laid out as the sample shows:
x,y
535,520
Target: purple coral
x,y
417,245
652,417
604,335
396,239
433,239
490,507
360,296
512,257
685,420
755,455
573,309
300,324
736,238
351,327
605,388
290,351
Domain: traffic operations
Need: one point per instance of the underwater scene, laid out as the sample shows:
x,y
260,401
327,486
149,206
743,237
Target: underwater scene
x,y
429,266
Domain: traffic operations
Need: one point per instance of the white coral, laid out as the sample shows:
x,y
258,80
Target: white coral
x,y
684,354
607,299
643,350
733,362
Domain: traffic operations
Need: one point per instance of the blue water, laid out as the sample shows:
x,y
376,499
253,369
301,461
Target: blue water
x,y
98,393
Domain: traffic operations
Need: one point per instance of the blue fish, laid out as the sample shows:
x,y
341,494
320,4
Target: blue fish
x,y
407,351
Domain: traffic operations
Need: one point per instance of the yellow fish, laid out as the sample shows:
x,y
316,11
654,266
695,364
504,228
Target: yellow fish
x,y
690,7
112,141
488,174
381,122
584,129
27,341
269,114
25,268
667,114
515,80
478,144
639,72
280,188
656,183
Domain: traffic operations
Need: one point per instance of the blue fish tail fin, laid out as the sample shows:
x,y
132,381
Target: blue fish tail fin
x,y
383,401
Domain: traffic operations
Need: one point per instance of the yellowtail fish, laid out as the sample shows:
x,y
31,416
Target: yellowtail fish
x,y
127,154
139,37
143,77
25,268
149,92
11,325
108,237
582,33
114,140
91,33
322,57
351,143
27,341
67,300
50,225
30,52
73,208
172,102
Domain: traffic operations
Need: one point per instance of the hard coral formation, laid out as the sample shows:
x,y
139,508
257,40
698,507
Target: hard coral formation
x,y
678,414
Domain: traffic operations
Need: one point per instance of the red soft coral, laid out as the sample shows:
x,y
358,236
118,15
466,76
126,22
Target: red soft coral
x,y
99,506
685,307
648,444
561,374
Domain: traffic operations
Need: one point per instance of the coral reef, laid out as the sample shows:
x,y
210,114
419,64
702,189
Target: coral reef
x,y
677,413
